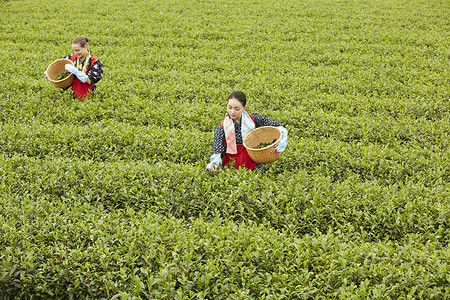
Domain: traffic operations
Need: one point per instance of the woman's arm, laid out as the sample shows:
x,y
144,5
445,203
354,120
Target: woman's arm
x,y
219,141
219,149
261,120
95,72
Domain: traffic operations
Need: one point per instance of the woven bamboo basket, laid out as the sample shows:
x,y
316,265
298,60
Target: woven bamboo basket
x,y
264,134
57,67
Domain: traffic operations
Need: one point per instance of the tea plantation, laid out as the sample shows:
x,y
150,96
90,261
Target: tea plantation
x,y
109,198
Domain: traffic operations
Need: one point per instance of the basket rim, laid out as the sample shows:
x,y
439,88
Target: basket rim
x,y
61,59
267,147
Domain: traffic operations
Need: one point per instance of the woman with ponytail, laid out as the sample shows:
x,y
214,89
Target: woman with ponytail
x,y
87,68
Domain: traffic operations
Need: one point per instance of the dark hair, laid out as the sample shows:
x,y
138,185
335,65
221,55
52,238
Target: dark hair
x,y
239,96
80,40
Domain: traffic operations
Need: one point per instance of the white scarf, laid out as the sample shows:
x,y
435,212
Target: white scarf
x,y
247,125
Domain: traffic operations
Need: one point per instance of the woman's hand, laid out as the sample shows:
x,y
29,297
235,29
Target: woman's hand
x,y
216,161
212,168
274,149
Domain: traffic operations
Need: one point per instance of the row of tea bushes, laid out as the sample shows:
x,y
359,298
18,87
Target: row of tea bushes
x,y
302,202
388,163
386,121
72,249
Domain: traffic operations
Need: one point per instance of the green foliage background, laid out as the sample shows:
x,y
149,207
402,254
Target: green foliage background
x,y
108,198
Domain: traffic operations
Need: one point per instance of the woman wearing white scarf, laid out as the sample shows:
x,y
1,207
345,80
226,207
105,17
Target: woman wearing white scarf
x,y
229,135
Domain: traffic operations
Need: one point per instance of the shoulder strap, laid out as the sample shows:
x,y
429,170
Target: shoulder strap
x,y
253,119
93,60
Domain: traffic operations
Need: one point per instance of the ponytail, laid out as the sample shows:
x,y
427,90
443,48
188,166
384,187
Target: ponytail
x,y
80,40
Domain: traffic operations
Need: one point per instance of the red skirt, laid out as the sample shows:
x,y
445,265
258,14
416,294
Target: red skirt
x,y
241,158
82,90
